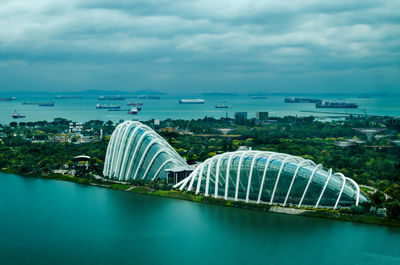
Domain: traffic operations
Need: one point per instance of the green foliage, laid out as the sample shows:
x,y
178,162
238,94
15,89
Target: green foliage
x,y
393,209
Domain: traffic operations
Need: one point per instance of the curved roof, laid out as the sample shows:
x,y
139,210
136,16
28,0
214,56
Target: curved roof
x,y
273,178
135,151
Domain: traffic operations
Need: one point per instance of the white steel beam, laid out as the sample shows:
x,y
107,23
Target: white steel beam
x,y
283,162
357,188
323,189
193,177
162,165
238,174
308,183
113,149
210,164
341,190
185,181
116,164
152,161
274,155
251,175
217,176
179,184
304,162
127,150
143,156
228,168
200,177
138,144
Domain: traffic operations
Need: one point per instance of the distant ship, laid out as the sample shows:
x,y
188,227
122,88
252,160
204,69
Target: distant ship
x,y
111,98
336,105
302,100
133,110
8,99
61,96
16,115
148,97
258,97
222,106
105,106
46,104
30,103
135,104
191,101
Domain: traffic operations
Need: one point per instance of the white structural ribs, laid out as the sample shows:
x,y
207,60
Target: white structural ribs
x,y
272,178
135,151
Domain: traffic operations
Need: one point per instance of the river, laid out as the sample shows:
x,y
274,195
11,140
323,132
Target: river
x,y
55,222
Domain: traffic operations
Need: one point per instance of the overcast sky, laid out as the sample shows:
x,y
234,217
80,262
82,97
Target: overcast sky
x,y
206,45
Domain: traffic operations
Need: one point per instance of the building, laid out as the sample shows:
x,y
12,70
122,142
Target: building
x,y
240,117
75,127
262,115
262,118
136,152
272,178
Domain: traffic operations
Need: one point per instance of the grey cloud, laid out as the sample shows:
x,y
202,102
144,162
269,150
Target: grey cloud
x,y
204,42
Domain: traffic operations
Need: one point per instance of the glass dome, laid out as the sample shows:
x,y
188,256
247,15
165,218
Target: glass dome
x,y
273,178
135,151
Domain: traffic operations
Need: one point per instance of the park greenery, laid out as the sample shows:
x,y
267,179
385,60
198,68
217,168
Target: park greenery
x,y
39,148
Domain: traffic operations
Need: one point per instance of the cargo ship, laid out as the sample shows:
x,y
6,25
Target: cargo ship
x,y
61,96
105,106
8,99
133,110
222,105
111,98
191,101
46,104
16,115
336,105
302,100
148,97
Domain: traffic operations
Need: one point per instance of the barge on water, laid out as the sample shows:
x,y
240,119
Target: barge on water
x,y
46,104
302,100
336,105
105,106
191,101
8,99
111,98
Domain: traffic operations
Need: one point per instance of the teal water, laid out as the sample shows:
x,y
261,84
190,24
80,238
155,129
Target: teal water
x,y
83,109
55,222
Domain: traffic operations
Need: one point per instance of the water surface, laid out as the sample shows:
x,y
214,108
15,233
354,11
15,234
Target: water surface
x,y
55,222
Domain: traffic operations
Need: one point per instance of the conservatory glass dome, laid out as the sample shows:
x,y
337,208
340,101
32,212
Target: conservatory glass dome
x,y
135,151
273,178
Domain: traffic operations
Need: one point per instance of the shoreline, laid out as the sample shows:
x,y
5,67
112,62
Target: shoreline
x,y
188,196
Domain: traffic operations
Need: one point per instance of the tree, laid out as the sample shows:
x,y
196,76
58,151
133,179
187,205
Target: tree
x,y
393,209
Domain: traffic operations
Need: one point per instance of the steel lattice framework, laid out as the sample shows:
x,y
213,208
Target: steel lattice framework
x,y
273,178
135,151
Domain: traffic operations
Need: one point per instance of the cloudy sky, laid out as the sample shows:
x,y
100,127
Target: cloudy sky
x,y
200,45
